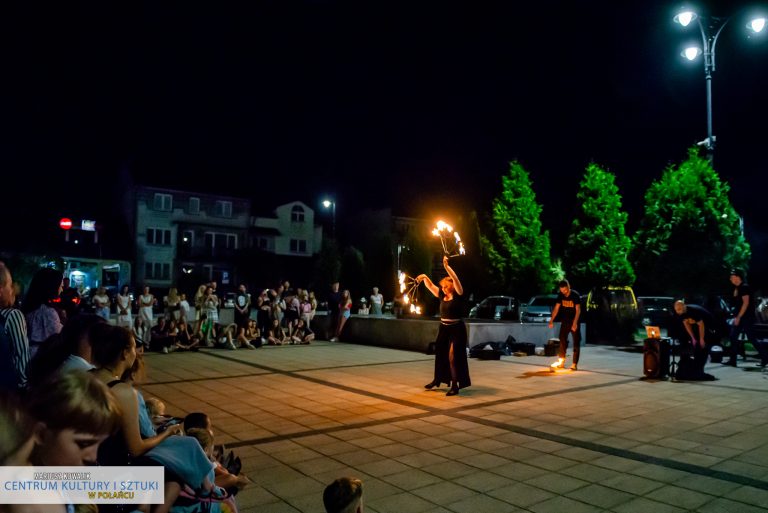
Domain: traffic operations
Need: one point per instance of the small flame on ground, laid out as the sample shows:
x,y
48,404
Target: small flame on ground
x,y
558,363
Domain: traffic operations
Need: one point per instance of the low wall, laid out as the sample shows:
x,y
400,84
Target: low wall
x,y
415,334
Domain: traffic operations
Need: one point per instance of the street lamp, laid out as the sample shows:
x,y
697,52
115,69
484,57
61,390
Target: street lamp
x,y
710,28
332,205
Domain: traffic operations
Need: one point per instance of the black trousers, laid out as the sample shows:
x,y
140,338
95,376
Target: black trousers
x,y
565,328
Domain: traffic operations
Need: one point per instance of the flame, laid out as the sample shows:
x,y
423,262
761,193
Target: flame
x,y
415,309
443,230
558,363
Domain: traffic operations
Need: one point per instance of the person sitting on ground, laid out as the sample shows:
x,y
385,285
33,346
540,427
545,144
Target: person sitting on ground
x,y
232,482
302,334
162,340
251,336
185,341
344,495
227,337
276,335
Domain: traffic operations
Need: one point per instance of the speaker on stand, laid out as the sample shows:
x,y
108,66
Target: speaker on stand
x,y
656,363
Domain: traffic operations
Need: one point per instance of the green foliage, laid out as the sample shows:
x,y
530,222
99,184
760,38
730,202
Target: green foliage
x,y
598,246
690,233
516,248
353,272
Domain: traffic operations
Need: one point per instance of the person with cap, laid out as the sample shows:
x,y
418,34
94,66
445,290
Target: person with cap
x,y
344,495
744,319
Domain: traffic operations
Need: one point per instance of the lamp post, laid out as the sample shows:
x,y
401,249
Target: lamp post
x,y
710,29
332,205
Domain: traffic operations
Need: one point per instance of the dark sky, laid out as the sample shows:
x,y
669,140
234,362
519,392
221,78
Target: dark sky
x,y
415,105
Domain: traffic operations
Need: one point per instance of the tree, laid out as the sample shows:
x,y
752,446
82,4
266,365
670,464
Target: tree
x,y
353,272
328,264
516,247
598,247
690,233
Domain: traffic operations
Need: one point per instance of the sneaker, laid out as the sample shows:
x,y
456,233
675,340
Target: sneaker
x,y
164,350
574,367
334,339
248,345
230,345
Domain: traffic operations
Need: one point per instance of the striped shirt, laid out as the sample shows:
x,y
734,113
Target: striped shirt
x,y
14,349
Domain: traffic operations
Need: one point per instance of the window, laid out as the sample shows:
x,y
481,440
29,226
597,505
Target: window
x,y
297,214
157,271
264,243
221,240
158,237
223,209
194,205
163,202
298,246
188,238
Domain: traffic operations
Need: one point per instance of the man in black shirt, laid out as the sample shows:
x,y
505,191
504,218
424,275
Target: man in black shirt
x,y
568,305
743,322
695,315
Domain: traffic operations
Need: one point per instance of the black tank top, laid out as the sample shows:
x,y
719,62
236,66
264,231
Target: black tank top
x,y
450,309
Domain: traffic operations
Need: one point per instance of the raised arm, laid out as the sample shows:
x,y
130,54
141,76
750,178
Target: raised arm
x,y
431,286
456,283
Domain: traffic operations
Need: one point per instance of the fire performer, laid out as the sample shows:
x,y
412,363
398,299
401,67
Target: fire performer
x,y
568,305
451,344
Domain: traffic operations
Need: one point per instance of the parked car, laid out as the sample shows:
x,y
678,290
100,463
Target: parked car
x,y
538,309
496,307
611,315
656,310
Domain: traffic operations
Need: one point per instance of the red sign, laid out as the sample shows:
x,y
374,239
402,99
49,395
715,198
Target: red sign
x,y
65,223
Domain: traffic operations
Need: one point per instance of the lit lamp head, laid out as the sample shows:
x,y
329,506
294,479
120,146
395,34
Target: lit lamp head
x,y
685,17
757,24
691,52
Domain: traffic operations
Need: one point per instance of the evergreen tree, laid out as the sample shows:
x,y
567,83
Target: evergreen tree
x,y
328,264
690,233
516,247
598,246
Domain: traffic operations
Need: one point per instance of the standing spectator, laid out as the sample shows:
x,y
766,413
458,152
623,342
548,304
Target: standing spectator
x,y
744,320
211,314
264,312
242,310
147,303
377,302
101,303
70,298
14,345
334,298
568,305
171,303
42,319
199,300
123,302
345,311
344,495
183,308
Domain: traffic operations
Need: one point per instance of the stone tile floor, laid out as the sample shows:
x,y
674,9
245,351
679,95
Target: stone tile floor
x,y
520,439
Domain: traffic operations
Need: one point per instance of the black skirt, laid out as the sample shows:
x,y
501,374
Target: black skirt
x,y
452,335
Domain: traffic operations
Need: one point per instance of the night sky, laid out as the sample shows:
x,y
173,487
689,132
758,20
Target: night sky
x,y
414,105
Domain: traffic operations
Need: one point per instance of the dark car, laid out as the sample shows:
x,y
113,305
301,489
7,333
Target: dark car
x,y
496,307
538,309
611,315
655,310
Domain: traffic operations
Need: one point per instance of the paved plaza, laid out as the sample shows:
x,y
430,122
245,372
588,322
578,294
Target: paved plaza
x,y
520,439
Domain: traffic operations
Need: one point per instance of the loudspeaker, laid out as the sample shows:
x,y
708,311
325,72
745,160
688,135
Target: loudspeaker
x,y
656,358
552,347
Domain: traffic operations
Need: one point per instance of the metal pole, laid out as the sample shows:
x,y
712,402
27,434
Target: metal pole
x,y
710,136
333,209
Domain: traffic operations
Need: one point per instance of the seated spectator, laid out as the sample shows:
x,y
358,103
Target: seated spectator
x,y
276,335
251,337
42,319
74,413
69,350
136,441
344,495
302,334
185,341
233,482
162,339
227,337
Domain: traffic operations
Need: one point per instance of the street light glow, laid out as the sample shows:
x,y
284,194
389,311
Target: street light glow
x,y
327,203
691,52
756,25
685,18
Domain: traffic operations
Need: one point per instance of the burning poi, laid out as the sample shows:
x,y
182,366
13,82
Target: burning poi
x,y
452,245
408,288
